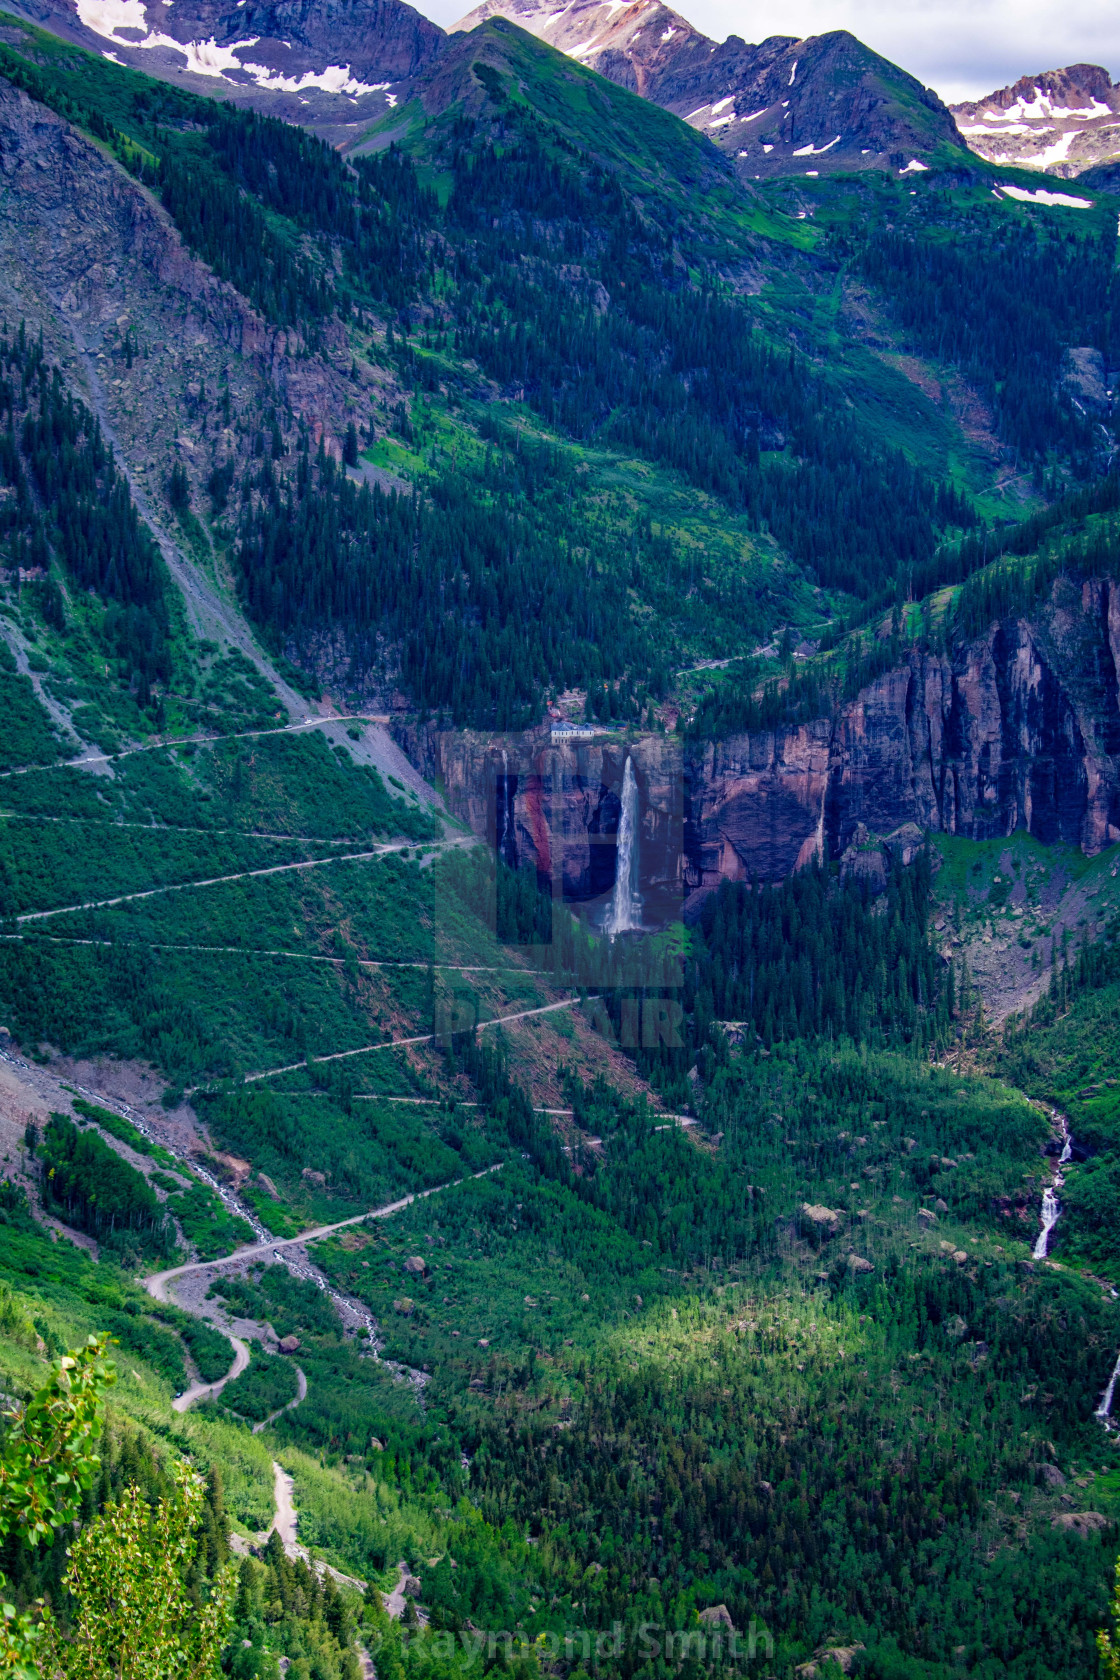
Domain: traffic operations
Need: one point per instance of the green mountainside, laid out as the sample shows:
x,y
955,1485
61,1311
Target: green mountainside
x,y
663,1305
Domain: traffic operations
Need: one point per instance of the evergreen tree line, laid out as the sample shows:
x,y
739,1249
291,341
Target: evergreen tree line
x,y
481,590
71,502
96,1191
1002,304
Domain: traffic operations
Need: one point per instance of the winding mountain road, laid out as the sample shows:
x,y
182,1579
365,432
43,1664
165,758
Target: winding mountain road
x,y
288,1406
420,1038
245,875
157,1284
210,1391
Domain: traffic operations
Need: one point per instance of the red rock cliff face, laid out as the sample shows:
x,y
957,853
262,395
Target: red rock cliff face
x,y
1017,729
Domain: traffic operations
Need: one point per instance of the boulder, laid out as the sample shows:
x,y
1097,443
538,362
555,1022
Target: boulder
x,y
717,1615
1051,1475
288,1344
843,1656
404,1305
825,1219
856,1263
317,1180
1084,1523
955,1326
268,1187
415,1266
928,1215
410,1587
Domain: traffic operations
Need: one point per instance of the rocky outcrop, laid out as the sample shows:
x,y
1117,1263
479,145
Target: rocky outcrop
x,y
1060,121
1019,729
330,66
91,258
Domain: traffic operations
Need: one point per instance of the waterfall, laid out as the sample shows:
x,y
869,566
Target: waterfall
x,y
1104,1410
624,912
1051,1208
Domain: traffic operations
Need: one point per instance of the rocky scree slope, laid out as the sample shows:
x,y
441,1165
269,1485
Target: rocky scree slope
x,y
175,362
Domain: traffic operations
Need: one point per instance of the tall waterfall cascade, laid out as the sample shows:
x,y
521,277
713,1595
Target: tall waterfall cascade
x,y
1051,1206
624,912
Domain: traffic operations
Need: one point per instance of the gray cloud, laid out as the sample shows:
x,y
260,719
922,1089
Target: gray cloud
x,y
963,48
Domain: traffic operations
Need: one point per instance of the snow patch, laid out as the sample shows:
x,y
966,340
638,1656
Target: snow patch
x,y
793,72
1041,196
113,59
336,78
723,104
754,116
108,18
1040,106
105,17
914,168
768,148
1050,154
816,151
669,33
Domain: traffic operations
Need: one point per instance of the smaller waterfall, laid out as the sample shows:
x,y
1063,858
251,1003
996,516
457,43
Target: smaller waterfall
x,y
1104,1410
1051,1208
624,912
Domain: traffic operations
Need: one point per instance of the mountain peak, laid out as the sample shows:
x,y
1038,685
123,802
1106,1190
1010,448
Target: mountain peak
x,y
1060,121
782,106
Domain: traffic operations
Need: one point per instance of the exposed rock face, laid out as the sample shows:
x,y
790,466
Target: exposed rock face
x,y
785,106
326,64
88,255
1019,729
1060,121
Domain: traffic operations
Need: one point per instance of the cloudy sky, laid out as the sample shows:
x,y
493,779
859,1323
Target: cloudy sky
x,y
963,48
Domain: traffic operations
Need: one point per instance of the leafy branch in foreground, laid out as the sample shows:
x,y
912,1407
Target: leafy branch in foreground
x,y
47,1462
136,1617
